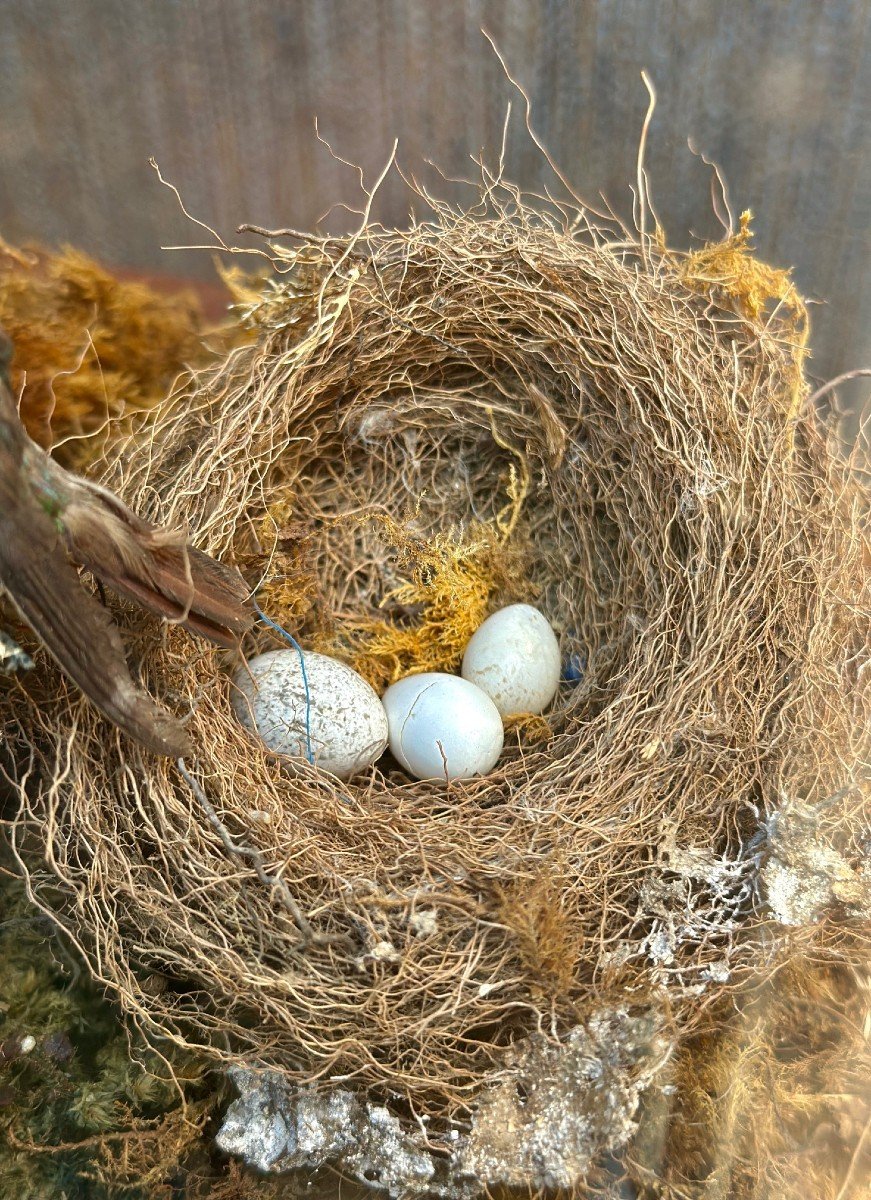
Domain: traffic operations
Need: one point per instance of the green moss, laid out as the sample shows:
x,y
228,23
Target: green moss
x,y
76,1086
90,1111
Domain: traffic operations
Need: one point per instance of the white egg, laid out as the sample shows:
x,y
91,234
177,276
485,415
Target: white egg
x,y
442,727
514,657
347,722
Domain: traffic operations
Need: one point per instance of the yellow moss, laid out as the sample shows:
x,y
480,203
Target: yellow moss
x,y
452,579
729,271
532,728
448,584
731,266
244,287
292,587
290,595
89,347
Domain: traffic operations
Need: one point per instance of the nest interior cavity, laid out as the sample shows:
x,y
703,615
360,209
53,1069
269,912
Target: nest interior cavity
x,y
596,428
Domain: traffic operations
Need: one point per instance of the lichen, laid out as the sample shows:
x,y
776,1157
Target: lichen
x,y
563,1104
12,657
546,1116
277,1128
805,875
689,895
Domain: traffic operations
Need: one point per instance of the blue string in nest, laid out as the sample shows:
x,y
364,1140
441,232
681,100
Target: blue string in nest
x,y
308,703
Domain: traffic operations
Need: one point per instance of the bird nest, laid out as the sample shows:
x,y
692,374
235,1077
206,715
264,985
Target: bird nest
x,y
500,404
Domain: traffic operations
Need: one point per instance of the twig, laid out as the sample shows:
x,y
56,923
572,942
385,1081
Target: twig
x,y
837,381
256,859
642,176
299,234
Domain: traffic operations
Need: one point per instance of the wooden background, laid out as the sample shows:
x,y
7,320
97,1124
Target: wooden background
x,y
224,93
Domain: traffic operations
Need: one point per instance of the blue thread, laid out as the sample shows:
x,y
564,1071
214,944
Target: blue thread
x,y
308,703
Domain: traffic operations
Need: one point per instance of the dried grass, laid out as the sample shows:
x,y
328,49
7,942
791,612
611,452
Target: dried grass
x,y
773,1099
685,528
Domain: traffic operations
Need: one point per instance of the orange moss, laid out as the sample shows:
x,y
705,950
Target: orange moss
x,y
89,347
729,272
549,935
453,579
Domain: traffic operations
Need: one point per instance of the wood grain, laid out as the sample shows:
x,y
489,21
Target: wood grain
x,y
224,94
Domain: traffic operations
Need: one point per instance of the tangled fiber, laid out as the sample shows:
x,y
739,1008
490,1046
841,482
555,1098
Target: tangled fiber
x,y
593,424
772,1099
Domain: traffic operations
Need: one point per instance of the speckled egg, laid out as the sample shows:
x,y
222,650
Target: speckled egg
x,y
442,727
515,658
347,722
